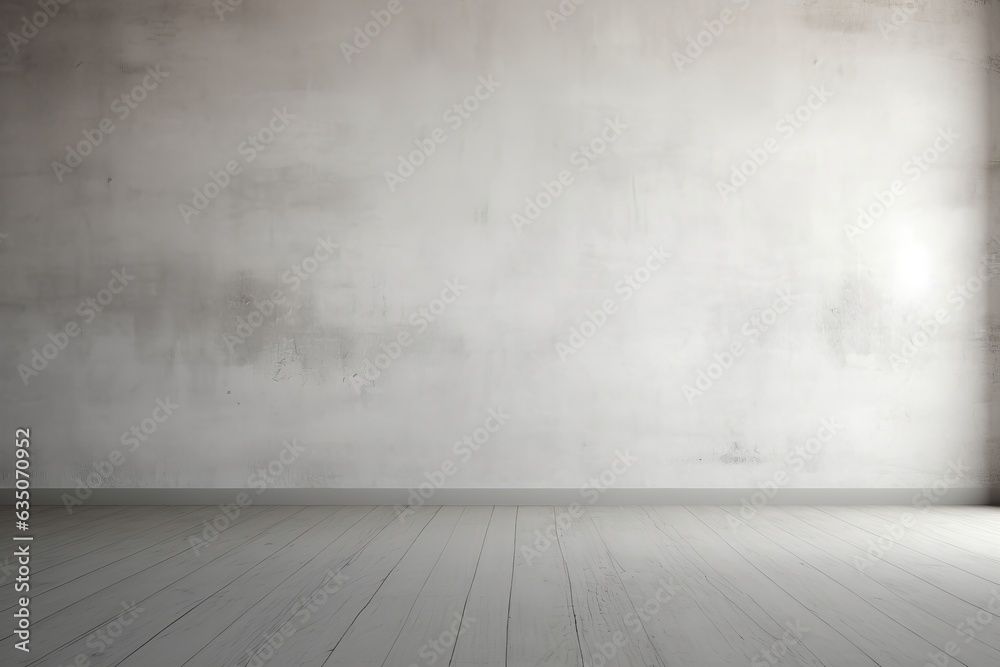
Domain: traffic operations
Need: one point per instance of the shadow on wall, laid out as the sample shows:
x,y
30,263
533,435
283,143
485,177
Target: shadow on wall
x,y
992,74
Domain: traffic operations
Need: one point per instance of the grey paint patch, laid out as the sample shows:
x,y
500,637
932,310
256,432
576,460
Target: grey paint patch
x,y
739,454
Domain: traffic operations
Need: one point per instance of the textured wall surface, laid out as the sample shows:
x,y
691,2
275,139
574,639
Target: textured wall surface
x,y
630,226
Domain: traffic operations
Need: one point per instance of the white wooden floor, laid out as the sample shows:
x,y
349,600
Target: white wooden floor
x,y
486,586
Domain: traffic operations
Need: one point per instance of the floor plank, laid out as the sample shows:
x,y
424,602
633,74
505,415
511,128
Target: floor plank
x,y
885,640
940,527
337,531
716,563
543,628
74,539
370,637
981,518
135,528
318,627
483,643
60,522
72,610
890,535
513,586
124,556
893,602
166,600
38,516
437,615
600,602
927,584
673,597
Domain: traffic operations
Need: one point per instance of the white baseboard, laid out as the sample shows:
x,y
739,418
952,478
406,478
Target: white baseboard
x,y
444,496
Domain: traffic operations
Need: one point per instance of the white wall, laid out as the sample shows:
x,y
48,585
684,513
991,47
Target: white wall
x,y
829,356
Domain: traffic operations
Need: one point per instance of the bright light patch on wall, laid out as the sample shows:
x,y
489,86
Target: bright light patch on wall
x,y
912,270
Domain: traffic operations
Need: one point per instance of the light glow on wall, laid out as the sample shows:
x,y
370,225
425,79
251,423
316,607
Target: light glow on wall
x,y
912,274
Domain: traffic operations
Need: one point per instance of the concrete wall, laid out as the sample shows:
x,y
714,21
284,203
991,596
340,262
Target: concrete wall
x,y
635,131
993,68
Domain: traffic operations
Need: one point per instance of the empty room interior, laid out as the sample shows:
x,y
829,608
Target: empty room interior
x,y
500,333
